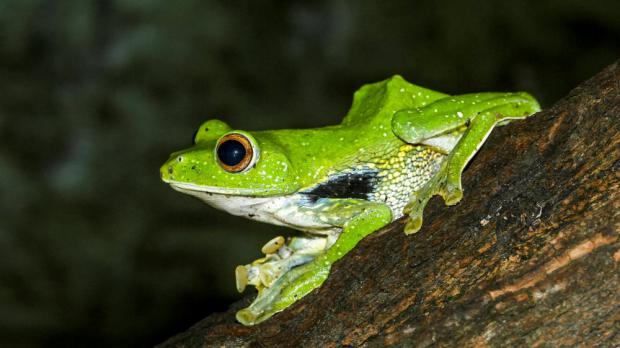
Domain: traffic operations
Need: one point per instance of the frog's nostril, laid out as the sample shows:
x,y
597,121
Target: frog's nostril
x,y
180,159
170,170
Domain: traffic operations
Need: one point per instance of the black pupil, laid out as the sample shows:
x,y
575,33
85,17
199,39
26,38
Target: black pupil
x,y
231,152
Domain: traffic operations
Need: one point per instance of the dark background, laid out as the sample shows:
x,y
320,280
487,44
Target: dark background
x,y
94,95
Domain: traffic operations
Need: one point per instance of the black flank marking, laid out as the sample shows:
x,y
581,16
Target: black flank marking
x,y
346,185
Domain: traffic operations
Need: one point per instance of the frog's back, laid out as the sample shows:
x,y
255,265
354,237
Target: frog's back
x,y
367,125
376,103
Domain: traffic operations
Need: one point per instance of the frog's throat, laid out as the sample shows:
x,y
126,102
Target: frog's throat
x,y
277,210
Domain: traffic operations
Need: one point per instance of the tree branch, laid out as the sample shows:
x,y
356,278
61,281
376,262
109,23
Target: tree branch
x,y
530,256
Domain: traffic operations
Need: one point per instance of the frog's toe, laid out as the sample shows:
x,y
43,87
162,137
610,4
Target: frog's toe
x,y
241,277
246,316
413,225
452,193
272,272
272,246
415,208
450,188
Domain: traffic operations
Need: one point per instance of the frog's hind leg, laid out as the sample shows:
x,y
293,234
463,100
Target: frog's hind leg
x,y
447,181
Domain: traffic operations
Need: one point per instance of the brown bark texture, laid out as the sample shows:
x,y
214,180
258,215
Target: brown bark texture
x,y
529,257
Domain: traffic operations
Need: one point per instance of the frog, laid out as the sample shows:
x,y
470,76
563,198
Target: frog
x,y
399,145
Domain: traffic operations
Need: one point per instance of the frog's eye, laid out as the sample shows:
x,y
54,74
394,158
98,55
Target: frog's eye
x,y
235,152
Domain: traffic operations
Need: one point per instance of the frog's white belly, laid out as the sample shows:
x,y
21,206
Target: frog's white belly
x,y
276,210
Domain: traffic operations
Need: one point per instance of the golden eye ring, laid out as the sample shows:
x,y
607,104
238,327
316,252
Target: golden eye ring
x,y
235,152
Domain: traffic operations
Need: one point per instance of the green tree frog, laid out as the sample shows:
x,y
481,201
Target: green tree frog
x,y
399,145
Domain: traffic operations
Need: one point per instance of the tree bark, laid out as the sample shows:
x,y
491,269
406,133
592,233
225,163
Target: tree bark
x,y
529,257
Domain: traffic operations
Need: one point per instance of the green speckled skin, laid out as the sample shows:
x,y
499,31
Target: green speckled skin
x,y
399,145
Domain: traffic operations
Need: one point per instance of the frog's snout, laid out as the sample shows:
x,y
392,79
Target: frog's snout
x,y
166,172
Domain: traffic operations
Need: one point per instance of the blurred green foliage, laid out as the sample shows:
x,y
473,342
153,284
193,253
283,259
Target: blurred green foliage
x,y
94,95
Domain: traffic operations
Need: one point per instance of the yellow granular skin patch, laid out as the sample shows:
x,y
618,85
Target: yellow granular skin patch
x,y
402,174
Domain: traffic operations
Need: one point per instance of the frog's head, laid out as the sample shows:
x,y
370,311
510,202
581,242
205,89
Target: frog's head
x,y
231,162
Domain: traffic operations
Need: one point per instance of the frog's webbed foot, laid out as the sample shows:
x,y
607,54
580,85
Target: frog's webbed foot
x,y
284,262
280,257
447,186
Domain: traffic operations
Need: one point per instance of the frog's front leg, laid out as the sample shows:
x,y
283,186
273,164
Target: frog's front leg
x,y
357,218
467,118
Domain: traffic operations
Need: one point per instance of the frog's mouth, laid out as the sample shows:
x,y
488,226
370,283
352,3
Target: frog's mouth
x,y
187,187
